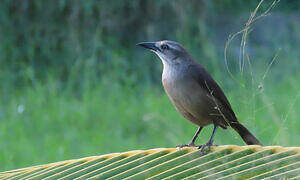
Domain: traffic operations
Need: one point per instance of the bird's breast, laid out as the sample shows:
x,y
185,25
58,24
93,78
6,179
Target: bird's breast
x,y
183,91
188,97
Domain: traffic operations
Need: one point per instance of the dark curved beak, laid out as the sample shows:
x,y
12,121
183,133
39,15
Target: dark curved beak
x,y
148,45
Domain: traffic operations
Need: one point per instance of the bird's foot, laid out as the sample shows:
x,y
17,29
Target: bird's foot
x,y
208,145
186,145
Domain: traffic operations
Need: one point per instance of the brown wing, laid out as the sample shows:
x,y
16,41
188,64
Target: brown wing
x,y
209,84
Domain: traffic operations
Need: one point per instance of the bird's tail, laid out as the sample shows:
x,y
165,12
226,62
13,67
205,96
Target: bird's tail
x,y
246,135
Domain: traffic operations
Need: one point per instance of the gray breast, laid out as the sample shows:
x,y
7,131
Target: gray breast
x,y
190,100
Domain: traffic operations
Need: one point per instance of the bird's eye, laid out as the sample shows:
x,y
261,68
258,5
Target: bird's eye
x,y
164,47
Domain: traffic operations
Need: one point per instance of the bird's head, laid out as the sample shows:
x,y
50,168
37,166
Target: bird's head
x,y
170,52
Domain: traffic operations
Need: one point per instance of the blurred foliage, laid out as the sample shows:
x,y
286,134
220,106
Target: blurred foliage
x,y
42,37
71,75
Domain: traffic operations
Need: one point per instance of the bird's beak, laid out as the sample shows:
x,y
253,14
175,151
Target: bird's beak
x,y
148,45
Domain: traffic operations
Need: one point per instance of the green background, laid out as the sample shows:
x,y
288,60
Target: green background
x,y
73,83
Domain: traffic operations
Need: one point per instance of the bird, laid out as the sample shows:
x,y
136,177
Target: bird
x,y
194,92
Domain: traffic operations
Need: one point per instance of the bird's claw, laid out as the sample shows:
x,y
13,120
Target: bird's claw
x,y
208,145
186,145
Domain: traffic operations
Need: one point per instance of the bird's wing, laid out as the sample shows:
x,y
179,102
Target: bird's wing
x,y
209,84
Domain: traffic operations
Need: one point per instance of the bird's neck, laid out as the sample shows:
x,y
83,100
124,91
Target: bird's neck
x,y
177,67
174,71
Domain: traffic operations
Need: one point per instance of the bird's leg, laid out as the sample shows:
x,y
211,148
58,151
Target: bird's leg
x,y
192,143
210,142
